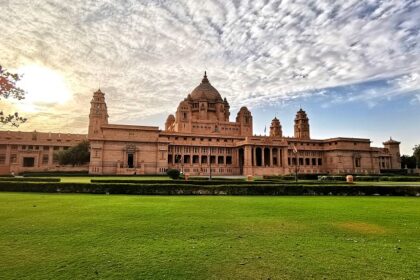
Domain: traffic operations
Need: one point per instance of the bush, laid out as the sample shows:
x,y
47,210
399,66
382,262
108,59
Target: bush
x,y
56,174
190,189
29,179
400,178
367,178
332,178
173,173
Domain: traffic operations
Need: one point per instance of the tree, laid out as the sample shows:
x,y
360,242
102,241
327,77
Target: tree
x,y
76,155
416,154
8,88
408,162
173,173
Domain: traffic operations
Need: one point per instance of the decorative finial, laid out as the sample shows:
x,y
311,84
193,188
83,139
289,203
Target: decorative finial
x,y
205,80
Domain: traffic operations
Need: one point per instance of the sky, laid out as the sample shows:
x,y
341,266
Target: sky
x,y
353,66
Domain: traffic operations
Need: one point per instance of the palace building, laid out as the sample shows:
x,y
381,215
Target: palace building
x,y
199,139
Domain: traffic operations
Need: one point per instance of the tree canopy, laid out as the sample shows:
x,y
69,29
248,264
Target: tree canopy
x,y
416,154
8,88
408,162
76,155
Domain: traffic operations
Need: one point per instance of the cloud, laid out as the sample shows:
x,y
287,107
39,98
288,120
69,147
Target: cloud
x,y
148,55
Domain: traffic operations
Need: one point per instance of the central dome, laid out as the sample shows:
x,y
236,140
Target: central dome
x,y
205,91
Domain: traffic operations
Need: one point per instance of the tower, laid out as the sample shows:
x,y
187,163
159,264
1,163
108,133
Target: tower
x,y
302,125
275,128
98,115
169,124
393,148
244,119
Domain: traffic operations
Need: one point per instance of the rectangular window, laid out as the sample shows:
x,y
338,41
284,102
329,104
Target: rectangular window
x,y
130,160
2,159
45,159
220,160
28,162
228,160
320,161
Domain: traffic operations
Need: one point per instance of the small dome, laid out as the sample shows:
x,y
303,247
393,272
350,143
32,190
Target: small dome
x,y
171,118
301,114
205,91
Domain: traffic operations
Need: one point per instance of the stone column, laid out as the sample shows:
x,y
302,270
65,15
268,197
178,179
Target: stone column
x,y
50,156
284,156
7,159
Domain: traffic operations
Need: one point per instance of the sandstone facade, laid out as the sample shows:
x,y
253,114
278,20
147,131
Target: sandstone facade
x,y
198,139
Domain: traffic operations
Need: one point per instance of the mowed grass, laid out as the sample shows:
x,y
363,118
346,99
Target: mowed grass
x,y
70,236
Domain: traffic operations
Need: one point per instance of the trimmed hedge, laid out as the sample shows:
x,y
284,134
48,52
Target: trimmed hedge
x,y
185,189
401,178
29,179
177,182
55,174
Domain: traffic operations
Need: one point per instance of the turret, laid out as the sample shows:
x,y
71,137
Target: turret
x,y
227,109
302,125
393,148
244,119
98,115
169,124
275,128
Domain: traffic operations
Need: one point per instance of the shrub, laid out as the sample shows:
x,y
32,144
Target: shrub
x,y
173,173
332,178
190,189
55,174
367,178
29,179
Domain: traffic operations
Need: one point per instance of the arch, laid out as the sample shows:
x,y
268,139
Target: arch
x,y
275,157
267,157
258,156
241,157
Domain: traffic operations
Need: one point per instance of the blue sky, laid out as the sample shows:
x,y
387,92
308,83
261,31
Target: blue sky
x,y
354,66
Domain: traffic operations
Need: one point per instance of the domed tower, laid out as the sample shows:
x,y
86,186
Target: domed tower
x,y
244,119
302,125
207,103
98,114
169,124
275,128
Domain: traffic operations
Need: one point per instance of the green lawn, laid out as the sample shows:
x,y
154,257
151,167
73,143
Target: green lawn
x,y
58,236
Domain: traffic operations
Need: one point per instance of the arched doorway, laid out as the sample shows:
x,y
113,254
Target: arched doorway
x,y
241,158
267,156
258,155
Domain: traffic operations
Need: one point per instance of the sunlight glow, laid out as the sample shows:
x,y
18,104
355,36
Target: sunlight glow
x,y
43,86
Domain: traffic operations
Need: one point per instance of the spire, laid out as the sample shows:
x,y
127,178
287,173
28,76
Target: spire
x,y
205,80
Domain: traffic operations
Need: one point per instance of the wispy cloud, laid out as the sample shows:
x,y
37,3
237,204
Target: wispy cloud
x,y
148,55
